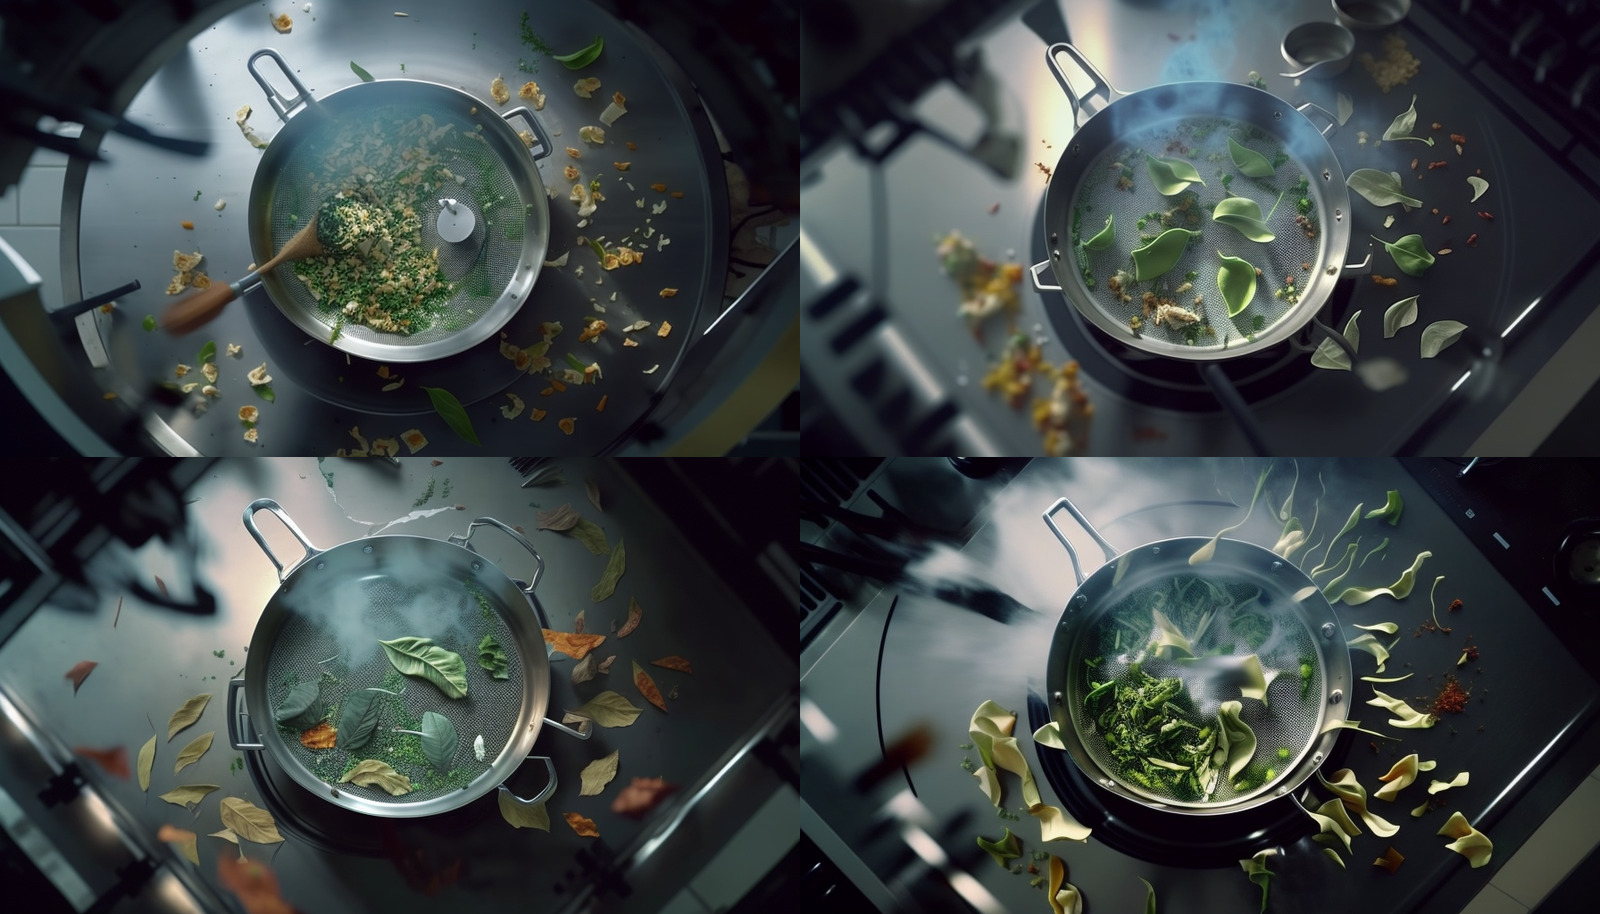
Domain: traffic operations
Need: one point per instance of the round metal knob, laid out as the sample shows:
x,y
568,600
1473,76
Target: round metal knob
x,y
455,221
1336,696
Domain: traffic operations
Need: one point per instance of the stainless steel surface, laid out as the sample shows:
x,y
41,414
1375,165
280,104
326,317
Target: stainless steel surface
x,y
1321,49
128,209
1371,14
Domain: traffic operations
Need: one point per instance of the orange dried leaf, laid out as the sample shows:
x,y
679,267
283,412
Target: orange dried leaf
x,y
183,839
1390,860
635,611
641,796
659,188
254,883
557,384
322,736
581,825
678,194
537,414
187,224
81,670
647,687
573,645
114,760
674,663
601,406
567,425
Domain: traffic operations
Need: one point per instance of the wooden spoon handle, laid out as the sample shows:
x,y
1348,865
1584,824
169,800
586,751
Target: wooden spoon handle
x,y
197,310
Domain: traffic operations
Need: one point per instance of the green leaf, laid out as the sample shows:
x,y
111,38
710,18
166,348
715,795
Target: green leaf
x,y
599,251
597,774
149,323
192,752
1104,238
1171,176
608,709
582,57
1236,742
1256,870
208,352
1331,355
1250,163
188,794
1243,214
1409,254
365,76
1355,596
575,363
521,816
1004,848
590,535
450,409
1379,188
1390,511
1161,253
1402,313
613,573
1204,553
298,701
1439,335
373,773
1150,896
492,657
1236,280
264,391
438,740
421,657
358,718
1402,126
1479,185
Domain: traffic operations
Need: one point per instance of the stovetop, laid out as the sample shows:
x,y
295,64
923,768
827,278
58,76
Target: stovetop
x,y
892,362
889,698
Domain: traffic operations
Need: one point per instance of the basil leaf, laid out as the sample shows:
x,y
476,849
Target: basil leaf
x,y
1331,355
1250,163
298,701
1161,253
438,740
574,362
1171,176
1390,511
599,251
421,657
149,323
582,57
1402,126
492,657
1479,185
265,392
1379,188
1104,238
1236,280
365,76
1402,313
1243,214
358,718
1439,335
1409,254
454,415
208,351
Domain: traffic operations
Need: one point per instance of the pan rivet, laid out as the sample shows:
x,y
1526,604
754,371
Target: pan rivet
x,y
1327,175
1155,550
1277,115
1080,600
1338,215
1280,791
1327,629
1054,237
1056,254
321,565
335,791
1077,148
367,549
1317,758
476,566
1056,697
1336,696
1277,566
1105,782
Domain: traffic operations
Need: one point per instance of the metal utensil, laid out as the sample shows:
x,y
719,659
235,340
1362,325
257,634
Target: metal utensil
x,y
1321,49
1371,14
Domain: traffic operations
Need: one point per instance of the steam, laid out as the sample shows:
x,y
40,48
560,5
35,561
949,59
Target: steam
x,y
1210,57
352,614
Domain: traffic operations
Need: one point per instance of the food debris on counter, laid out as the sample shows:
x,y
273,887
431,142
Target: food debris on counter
x,y
242,118
186,224
530,91
235,350
188,274
1395,67
589,133
209,369
498,91
514,408
666,328
282,23
568,425
615,110
220,205
987,288
414,439
585,88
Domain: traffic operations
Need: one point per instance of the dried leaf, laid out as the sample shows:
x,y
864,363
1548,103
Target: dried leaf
x,y
114,760
147,758
373,773
561,519
190,754
322,736
593,490
584,669
186,715
79,672
597,774
119,613
605,665
634,612
249,821
583,724
581,825
521,816
641,796
591,536
254,884
226,834
674,663
613,573
161,585
421,657
573,645
188,794
181,838
647,686
608,709
577,623
358,718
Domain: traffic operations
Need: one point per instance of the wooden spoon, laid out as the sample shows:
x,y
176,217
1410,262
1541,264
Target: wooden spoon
x,y
199,309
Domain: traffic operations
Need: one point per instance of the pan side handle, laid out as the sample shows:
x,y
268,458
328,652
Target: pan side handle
x,y
1077,570
1100,88
283,106
1038,284
1315,113
234,740
544,147
267,504
545,794
465,539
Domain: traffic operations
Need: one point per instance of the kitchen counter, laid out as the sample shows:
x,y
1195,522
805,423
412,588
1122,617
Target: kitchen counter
x,y
151,660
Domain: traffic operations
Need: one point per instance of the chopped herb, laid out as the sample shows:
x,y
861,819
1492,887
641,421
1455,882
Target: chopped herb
x,y
363,74
149,323
197,195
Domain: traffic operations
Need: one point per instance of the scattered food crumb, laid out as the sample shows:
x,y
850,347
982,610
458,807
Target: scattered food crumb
x,y
668,292
567,425
498,91
187,224
282,23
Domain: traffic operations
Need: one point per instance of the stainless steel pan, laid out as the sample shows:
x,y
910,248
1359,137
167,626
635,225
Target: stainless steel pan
x,y
324,622
1303,625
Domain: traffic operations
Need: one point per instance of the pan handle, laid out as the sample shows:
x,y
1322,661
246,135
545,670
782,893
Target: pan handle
x,y
255,532
234,685
1039,285
1101,88
1329,122
544,146
575,734
1107,548
465,539
283,106
545,794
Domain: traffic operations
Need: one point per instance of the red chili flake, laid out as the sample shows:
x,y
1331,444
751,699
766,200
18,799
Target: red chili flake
x,y
438,463
1455,605
1433,165
1445,221
1487,217
1374,744
1472,240
1452,699
1033,869
1043,169
994,209
1457,138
